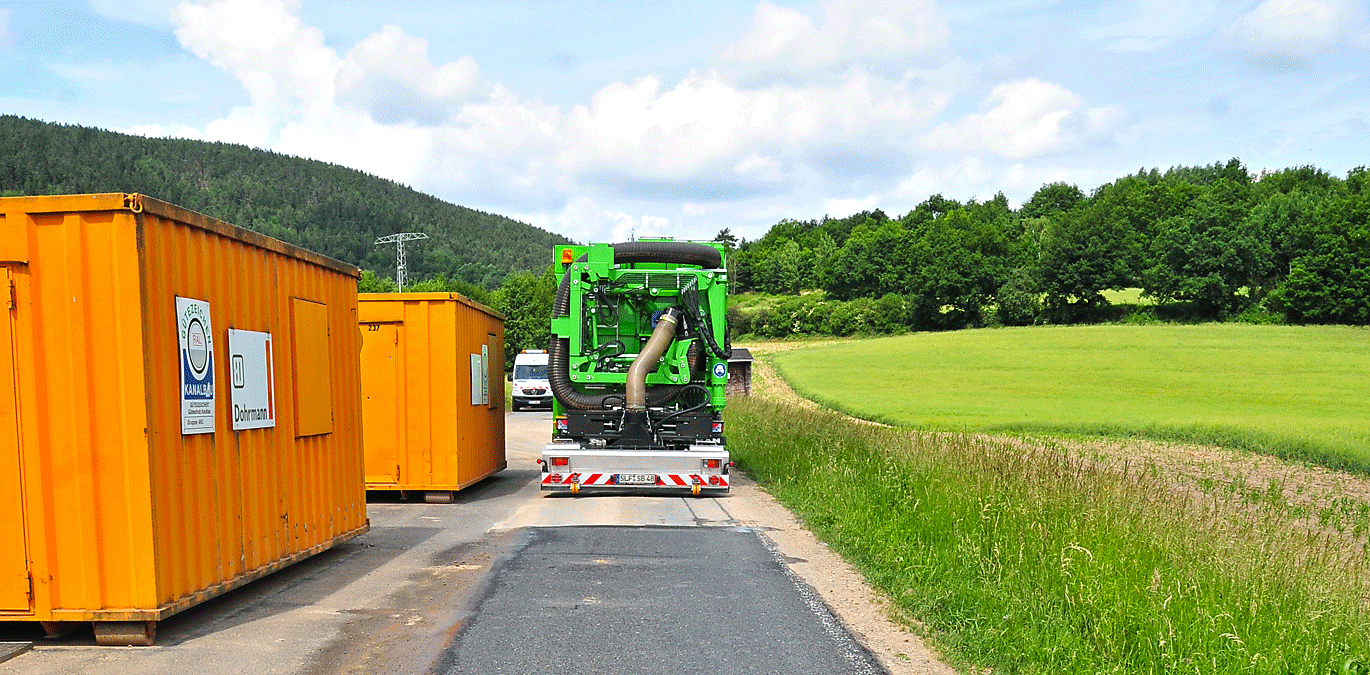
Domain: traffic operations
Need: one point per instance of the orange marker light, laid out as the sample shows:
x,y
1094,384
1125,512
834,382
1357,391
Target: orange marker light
x,y
567,257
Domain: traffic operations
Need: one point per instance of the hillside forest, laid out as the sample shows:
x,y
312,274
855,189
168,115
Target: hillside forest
x,y
1205,243
323,207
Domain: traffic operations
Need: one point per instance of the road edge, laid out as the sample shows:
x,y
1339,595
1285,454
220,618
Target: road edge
x,y
864,611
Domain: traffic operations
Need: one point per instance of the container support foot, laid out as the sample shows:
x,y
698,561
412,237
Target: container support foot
x,y
125,633
438,496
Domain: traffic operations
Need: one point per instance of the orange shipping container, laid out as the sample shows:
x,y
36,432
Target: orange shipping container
x,y
180,409
433,392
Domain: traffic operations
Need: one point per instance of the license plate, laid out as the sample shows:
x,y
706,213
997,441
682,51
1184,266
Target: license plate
x,y
637,479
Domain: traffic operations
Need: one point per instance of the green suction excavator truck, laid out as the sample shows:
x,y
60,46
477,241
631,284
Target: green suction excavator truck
x,y
638,366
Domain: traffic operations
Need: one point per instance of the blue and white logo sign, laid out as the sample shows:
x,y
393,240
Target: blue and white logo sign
x,y
720,370
195,338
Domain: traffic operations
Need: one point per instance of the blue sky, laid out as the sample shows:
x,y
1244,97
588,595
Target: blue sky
x,y
605,120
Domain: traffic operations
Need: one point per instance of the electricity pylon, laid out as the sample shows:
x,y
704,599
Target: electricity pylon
x,y
398,240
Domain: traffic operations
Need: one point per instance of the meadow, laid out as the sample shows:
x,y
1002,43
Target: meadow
x,y
1296,392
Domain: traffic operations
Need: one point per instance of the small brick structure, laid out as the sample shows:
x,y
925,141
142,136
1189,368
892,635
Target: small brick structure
x,y
740,373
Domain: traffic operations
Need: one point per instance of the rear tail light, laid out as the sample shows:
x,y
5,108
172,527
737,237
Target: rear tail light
x,y
561,461
713,463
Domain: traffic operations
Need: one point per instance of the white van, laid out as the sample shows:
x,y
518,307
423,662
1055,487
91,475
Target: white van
x,y
530,379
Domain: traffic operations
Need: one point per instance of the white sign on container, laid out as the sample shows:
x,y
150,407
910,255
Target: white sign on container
x,y
252,376
478,395
196,339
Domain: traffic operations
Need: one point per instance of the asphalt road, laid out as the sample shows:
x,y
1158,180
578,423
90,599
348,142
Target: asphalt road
x,y
504,580
651,600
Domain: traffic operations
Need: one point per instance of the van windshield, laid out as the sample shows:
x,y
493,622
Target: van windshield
x,y
529,372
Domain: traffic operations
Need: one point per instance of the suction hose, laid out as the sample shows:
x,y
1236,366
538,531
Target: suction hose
x,y
645,362
558,353
637,426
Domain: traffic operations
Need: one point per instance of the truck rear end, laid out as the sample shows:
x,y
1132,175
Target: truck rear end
x,y
638,368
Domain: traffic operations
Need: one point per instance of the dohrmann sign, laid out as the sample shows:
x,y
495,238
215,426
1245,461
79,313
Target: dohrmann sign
x,y
195,337
252,377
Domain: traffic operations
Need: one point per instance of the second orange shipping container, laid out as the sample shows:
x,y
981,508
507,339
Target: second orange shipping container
x,y
433,392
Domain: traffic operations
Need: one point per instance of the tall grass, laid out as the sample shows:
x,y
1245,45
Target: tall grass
x,y
1020,557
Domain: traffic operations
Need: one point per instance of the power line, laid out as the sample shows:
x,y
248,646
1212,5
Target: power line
x,y
398,240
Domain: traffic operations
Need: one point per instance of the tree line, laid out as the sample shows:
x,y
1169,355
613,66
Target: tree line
x,y
1210,242
1204,243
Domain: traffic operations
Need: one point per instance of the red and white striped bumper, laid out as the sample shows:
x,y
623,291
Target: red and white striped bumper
x,y
670,481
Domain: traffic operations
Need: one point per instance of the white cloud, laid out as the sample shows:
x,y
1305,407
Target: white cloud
x,y
1288,34
776,31
1156,23
1026,118
500,148
641,156
359,110
390,75
159,131
706,124
852,32
585,220
282,63
397,152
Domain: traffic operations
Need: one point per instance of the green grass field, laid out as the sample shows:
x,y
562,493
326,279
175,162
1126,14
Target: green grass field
x,y
1127,296
1293,391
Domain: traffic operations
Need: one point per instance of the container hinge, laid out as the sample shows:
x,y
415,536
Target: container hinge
x,y
30,576
9,290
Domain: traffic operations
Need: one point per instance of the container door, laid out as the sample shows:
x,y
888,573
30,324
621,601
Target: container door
x,y
14,564
382,422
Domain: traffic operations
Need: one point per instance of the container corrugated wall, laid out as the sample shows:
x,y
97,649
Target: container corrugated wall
x,y
124,517
433,391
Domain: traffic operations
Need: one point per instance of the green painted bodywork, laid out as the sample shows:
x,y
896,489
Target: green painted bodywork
x,y
616,303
